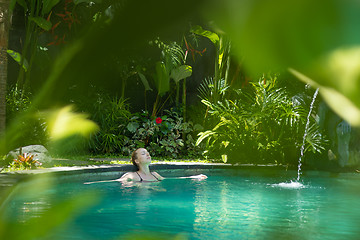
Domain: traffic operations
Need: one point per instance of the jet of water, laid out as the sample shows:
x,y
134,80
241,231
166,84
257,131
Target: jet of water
x,y
305,134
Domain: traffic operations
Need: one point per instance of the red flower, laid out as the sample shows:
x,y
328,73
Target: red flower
x,y
158,120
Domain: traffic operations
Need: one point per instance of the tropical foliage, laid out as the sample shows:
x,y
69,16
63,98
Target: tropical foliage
x,y
260,125
121,132
171,66
56,21
222,46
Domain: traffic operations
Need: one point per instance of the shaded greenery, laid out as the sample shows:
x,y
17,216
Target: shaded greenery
x,y
18,102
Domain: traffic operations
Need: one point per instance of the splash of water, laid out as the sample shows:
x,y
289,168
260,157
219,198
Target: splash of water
x,y
290,185
305,134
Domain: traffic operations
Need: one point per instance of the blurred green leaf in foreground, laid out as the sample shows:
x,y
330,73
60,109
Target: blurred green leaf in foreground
x,y
317,40
57,214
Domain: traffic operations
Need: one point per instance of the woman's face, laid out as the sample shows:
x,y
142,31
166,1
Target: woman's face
x,y
143,156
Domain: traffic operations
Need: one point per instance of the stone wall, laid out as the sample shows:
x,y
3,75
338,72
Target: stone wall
x,y
344,147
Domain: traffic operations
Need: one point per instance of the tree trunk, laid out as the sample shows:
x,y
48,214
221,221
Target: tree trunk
x,y
4,35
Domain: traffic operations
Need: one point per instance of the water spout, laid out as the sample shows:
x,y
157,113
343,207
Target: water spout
x,y
305,134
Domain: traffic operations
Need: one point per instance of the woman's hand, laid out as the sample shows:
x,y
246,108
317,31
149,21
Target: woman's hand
x,y
199,177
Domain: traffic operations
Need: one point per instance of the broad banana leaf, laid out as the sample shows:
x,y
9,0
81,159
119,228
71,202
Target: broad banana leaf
x,y
181,72
145,82
162,79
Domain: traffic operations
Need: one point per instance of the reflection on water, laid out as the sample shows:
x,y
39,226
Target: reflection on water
x,y
256,209
226,211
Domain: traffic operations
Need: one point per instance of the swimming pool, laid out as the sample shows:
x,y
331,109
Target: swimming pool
x,y
230,204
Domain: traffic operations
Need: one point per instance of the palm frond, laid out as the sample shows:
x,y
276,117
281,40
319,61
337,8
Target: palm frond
x,y
205,89
208,89
204,135
314,139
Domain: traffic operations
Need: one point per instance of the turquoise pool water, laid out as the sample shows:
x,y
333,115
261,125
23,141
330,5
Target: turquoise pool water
x,y
241,204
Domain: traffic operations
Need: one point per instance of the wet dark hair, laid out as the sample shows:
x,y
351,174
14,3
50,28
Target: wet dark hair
x,y
133,157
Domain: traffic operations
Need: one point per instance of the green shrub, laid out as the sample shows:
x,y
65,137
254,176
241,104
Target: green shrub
x,y
260,125
16,101
162,136
112,115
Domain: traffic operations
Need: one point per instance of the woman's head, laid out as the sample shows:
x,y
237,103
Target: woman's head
x,y
140,156
133,157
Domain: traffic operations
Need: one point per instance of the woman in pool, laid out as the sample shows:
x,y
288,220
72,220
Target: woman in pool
x,y
141,160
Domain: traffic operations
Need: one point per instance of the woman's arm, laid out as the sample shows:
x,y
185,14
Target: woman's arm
x,y
158,176
127,177
198,177
102,181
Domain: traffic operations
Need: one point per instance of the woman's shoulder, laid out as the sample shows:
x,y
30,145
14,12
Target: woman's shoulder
x,y
129,176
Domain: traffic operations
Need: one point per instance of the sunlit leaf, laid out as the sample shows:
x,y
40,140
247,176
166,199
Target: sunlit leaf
x,y
204,135
17,57
213,37
340,69
65,123
336,100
